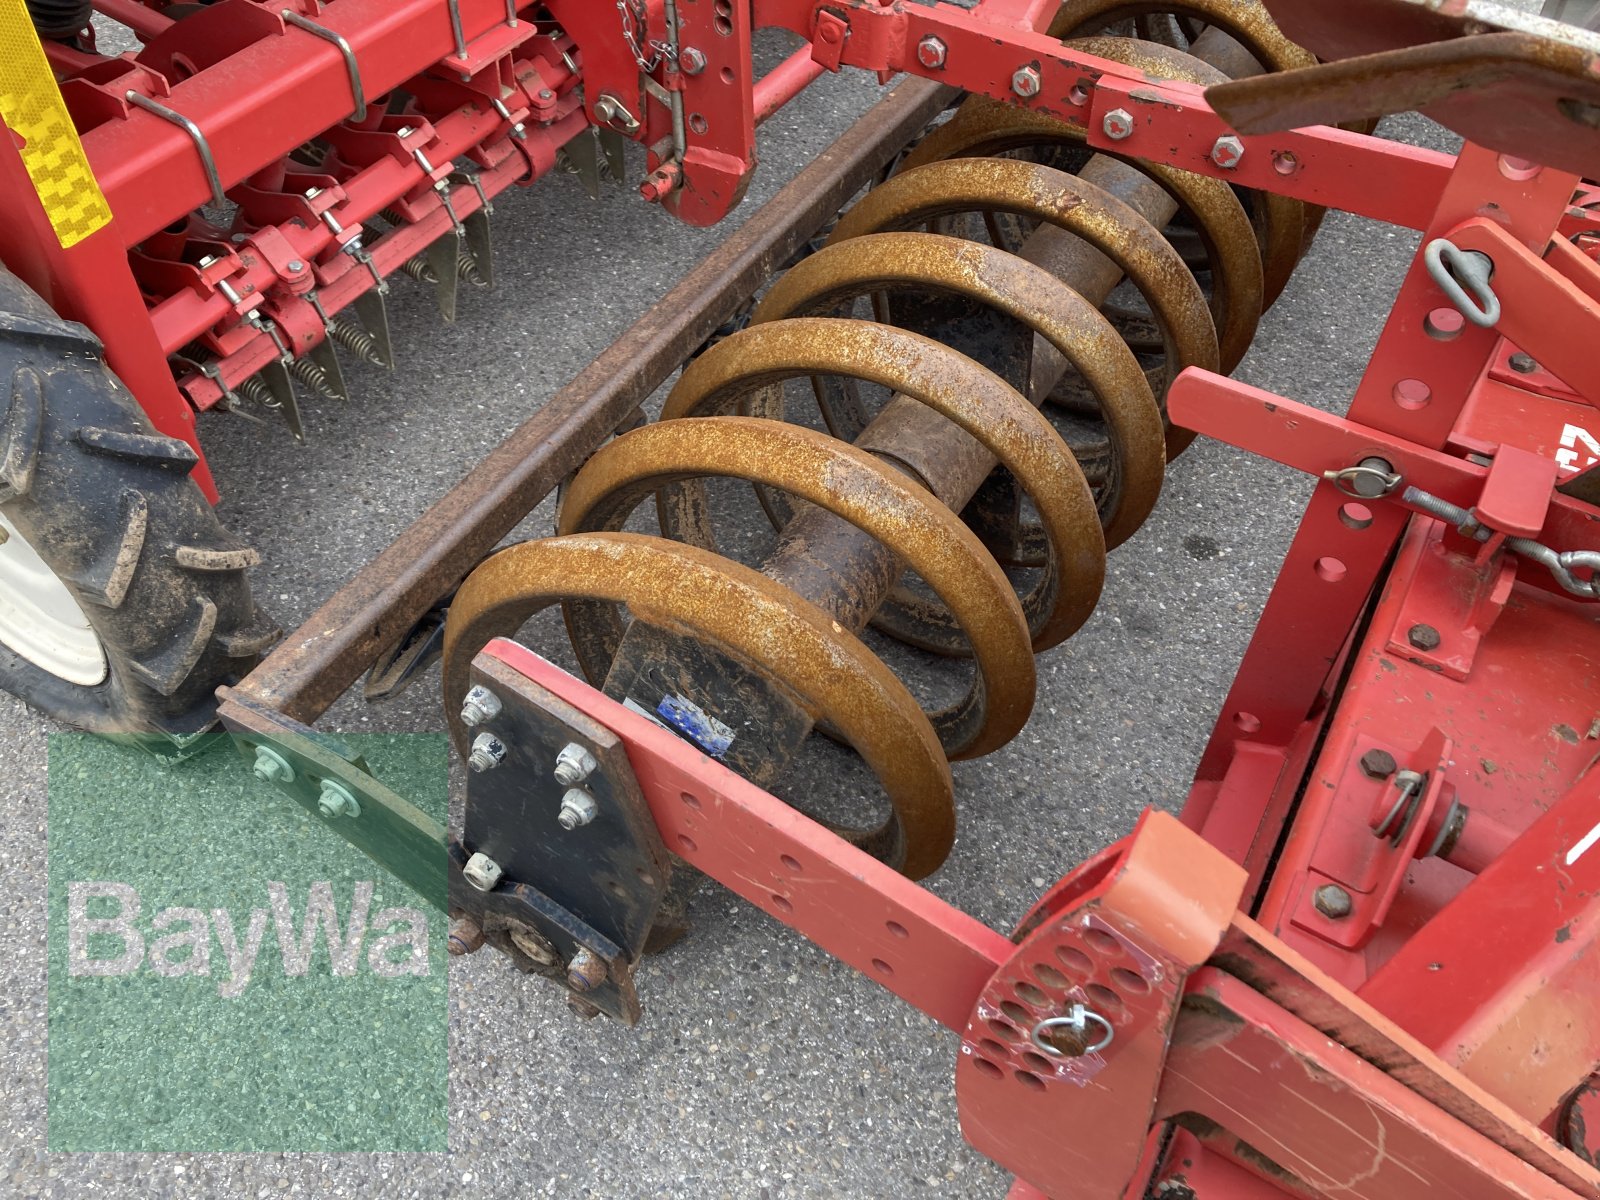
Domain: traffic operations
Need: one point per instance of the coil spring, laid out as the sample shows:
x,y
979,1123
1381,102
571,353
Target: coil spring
x,y
356,340
724,419
256,390
466,269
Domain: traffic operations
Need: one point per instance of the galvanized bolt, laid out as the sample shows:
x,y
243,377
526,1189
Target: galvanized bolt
x,y
574,764
482,872
1423,637
577,808
1524,364
313,192
586,971
272,767
1025,81
1332,901
535,947
1377,764
337,800
466,936
1118,124
479,706
1226,152
931,52
691,60
488,752
546,94
208,260
404,131
294,266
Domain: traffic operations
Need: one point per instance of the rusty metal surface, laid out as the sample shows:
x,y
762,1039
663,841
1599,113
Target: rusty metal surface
x,y
668,459
315,664
985,128
731,606
1513,92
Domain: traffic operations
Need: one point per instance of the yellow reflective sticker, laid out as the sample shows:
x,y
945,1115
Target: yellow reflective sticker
x,y
32,108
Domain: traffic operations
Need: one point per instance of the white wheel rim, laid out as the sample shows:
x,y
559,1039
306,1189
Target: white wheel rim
x,y
40,620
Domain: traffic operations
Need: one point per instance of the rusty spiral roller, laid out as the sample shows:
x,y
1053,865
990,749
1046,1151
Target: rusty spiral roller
x,y
726,415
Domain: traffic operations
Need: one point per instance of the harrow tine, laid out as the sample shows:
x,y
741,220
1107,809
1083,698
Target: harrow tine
x,y
611,143
374,313
583,152
444,260
326,357
480,250
276,376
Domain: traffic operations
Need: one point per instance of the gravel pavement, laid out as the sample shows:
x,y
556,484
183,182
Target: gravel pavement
x,y
763,1068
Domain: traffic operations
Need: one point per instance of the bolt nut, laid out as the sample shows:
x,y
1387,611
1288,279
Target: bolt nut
x,y
466,936
1227,151
1024,81
482,872
577,808
691,60
1332,901
272,767
1118,124
488,752
337,800
574,764
479,706
931,53
1423,637
404,131
582,1008
586,971
1378,764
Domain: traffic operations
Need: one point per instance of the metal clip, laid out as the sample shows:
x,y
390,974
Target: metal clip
x,y
1370,479
1077,1021
343,47
1450,267
193,130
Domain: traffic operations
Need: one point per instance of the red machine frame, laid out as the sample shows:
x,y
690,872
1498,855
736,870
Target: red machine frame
x,y
1361,962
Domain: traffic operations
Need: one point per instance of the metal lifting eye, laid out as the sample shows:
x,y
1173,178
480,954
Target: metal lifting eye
x,y
1077,1022
1457,271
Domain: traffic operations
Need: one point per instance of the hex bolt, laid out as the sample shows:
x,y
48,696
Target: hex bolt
x,y
586,971
1332,901
466,936
931,52
294,266
479,706
534,946
1377,764
337,800
581,1008
574,764
1025,81
1226,152
1523,364
577,808
482,872
1423,637
272,767
488,752
1118,124
691,61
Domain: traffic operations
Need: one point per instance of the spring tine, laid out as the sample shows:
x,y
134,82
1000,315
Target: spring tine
x,y
480,250
326,357
611,146
417,267
276,377
374,313
583,152
444,257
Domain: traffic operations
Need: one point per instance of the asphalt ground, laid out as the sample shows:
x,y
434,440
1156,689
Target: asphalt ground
x,y
763,1068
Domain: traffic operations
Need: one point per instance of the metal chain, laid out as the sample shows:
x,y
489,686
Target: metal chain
x,y
635,23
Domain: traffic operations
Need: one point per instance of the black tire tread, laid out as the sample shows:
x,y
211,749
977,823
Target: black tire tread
x,y
109,502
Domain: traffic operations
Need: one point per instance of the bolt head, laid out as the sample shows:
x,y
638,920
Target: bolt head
x,y
466,936
337,800
1025,81
578,807
1423,637
1524,364
1332,901
404,131
1378,764
295,266
482,872
488,752
1118,124
931,53
691,60
1227,151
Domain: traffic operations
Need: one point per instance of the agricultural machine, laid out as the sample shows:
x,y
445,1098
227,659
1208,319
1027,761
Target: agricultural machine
x,y
954,358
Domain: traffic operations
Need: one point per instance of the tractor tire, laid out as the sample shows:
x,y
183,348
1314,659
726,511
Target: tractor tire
x,y
123,601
